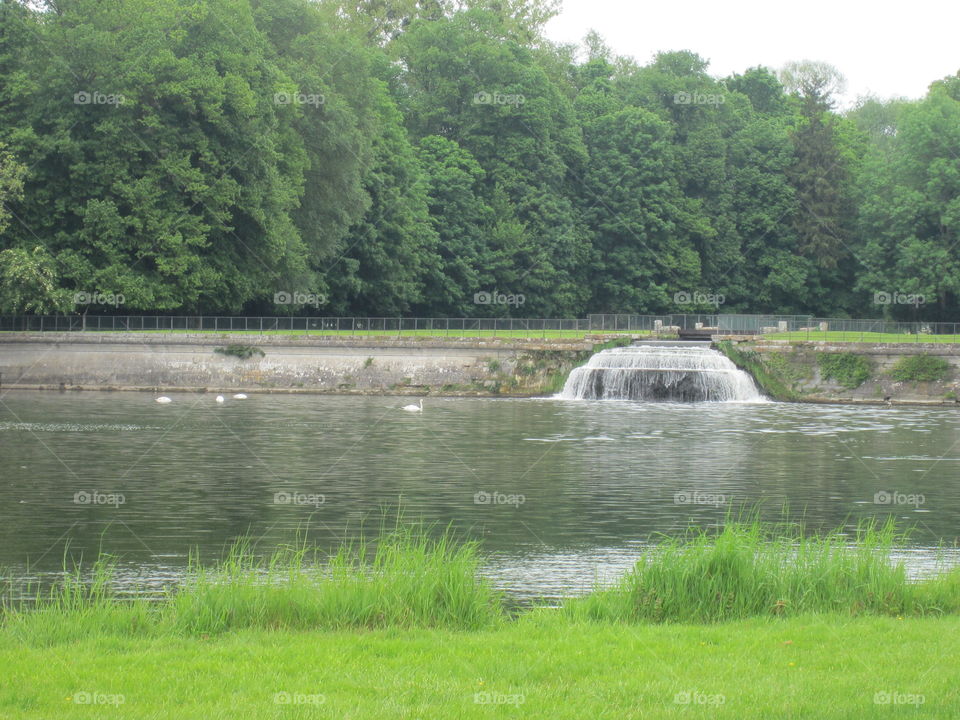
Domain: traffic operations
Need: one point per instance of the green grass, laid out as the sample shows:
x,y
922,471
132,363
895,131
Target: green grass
x,y
405,579
244,352
752,569
867,337
410,579
825,667
767,376
753,621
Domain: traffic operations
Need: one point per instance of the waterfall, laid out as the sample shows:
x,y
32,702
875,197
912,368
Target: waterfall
x,y
678,373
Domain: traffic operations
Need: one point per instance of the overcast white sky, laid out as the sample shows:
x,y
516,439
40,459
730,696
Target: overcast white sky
x,y
882,48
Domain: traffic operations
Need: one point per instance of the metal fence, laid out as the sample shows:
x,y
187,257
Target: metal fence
x,y
788,327
795,327
454,327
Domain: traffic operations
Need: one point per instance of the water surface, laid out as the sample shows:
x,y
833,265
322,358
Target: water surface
x,y
559,492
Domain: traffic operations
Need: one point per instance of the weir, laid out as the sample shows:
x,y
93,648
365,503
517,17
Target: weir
x,y
684,372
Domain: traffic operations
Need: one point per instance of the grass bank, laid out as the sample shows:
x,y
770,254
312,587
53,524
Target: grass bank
x,y
824,666
770,381
405,579
866,337
752,621
409,579
754,569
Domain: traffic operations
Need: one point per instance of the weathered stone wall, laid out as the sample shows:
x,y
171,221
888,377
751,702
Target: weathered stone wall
x,y
162,361
795,366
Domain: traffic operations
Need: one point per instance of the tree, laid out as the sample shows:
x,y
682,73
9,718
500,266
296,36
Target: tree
x,y
910,208
28,283
469,79
391,252
817,83
12,174
462,220
643,223
820,174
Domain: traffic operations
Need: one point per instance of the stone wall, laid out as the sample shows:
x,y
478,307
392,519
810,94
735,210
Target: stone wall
x,y
188,361
795,370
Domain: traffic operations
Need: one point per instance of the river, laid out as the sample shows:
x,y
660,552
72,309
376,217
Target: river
x,y
560,493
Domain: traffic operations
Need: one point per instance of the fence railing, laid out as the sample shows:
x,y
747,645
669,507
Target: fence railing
x,y
795,327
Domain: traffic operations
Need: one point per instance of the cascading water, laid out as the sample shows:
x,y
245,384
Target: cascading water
x,y
687,373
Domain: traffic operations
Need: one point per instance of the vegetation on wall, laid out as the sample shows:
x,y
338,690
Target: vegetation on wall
x,y
847,369
920,368
244,352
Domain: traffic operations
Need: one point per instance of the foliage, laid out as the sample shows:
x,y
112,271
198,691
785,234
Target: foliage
x,y
920,368
11,184
848,369
244,352
399,157
407,576
766,374
28,283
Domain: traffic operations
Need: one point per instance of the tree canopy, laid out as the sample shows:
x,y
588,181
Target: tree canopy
x,y
392,157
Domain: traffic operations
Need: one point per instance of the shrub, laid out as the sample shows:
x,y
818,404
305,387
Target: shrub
x,y
849,370
918,368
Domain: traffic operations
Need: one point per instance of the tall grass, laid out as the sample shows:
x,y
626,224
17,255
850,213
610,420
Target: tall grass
x,y
409,577
751,569
405,579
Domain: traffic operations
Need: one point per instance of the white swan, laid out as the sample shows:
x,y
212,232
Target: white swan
x,y
163,400
413,408
239,396
219,398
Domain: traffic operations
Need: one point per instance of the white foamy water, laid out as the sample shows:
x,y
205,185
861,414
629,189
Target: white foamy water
x,y
661,373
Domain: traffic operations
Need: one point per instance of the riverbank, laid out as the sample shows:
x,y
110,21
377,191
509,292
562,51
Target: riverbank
x,y
507,366
285,363
818,666
409,629
850,372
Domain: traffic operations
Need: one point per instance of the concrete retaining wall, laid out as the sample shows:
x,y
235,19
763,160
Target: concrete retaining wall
x,y
798,368
159,361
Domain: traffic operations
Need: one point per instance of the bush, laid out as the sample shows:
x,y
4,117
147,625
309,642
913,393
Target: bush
x,y
849,370
241,351
918,368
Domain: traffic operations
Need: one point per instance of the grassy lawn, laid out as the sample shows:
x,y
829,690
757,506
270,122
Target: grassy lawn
x,y
869,337
750,622
541,667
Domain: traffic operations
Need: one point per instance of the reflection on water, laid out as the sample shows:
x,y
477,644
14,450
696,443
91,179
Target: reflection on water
x,y
560,493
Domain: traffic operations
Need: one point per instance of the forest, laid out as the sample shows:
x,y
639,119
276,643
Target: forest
x,y
444,158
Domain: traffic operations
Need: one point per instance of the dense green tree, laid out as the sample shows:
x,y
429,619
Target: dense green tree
x,y
413,156
463,222
820,174
910,209
468,80
392,251
644,224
